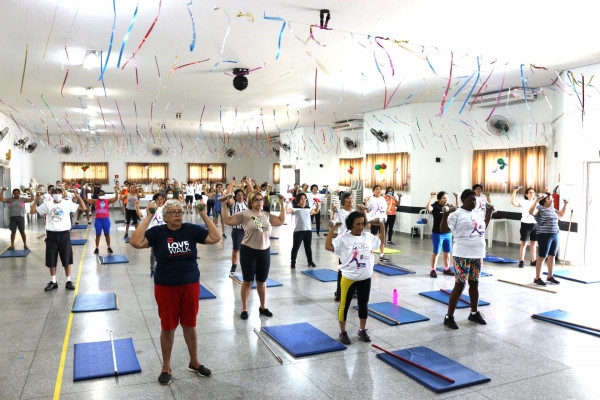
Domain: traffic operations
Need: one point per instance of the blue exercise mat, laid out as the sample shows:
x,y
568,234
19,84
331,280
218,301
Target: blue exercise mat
x,y
482,274
462,375
587,276
390,270
78,242
323,275
568,320
499,260
442,297
303,339
78,226
95,302
113,259
393,314
95,359
270,282
273,253
206,294
14,253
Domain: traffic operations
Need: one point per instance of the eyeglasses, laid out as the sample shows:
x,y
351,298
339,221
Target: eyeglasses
x,y
175,213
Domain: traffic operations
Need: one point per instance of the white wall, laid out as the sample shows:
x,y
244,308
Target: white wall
x,y
21,163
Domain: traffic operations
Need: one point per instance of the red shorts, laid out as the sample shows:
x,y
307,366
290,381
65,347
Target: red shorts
x,y
177,305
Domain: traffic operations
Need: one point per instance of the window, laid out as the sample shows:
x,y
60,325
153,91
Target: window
x,y
86,171
394,170
145,173
348,174
499,170
276,172
207,172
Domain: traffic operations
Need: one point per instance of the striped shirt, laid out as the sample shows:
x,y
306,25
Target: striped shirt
x,y
237,208
547,220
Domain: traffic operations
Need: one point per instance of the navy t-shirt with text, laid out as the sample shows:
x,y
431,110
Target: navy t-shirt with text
x,y
175,253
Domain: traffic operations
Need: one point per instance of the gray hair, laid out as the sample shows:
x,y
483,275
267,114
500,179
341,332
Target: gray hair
x,y
170,203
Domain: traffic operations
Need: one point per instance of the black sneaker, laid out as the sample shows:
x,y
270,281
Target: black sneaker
x,y
224,236
126,236
432,273
293,265
532,264
109,250
390,243
89,222
363,336
69,285
164,378
51,286
96,251
344,338
539,282
521,264
449,322
311,264
244,315
76,222
552,280
477,317
384,259
265,312
201,370
448,272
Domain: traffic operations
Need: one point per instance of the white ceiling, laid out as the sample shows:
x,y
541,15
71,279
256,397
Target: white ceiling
x,y
404,48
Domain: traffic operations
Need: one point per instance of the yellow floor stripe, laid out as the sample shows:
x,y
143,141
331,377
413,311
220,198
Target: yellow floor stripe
x,y
65,347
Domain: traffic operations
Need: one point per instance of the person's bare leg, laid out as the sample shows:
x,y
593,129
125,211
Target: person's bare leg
x,y
245,289
532,249
522,250
261,289
538,266
166,347
191,340
550,265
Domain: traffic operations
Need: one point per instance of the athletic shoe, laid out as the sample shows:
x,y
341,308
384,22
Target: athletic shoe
x,y
532,264
539,282
521,264
224,236
433,274
363,336
311,264
265,312
293,265
477,317
96,251
89,222
126,236
449,322
69,285
390,243
201,370
384,259
344,338
448,272
232,273
164,378
552,280
109,250
336,297
244,315
51,286
76,222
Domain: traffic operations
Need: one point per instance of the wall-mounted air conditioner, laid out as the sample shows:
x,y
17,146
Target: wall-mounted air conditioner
x,y
507,96
347,125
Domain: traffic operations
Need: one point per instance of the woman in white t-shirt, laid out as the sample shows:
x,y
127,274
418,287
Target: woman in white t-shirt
x,y
255,258
376,208
528,224
468,231
303,229
355,249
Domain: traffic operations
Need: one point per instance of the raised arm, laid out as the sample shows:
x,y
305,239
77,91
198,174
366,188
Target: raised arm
x,y
138,239
2,199
431,197
444,228
231,220
561,212
279,220
513,197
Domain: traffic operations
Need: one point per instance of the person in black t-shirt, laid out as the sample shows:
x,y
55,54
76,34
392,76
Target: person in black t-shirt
x,y
440,240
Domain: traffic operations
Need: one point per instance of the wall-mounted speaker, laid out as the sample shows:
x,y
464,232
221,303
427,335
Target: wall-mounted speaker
x,y
437,159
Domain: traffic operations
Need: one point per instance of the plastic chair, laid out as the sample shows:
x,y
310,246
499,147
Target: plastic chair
x,y
423,222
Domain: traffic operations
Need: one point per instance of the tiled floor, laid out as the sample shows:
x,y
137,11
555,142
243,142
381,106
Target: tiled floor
x,y
525,358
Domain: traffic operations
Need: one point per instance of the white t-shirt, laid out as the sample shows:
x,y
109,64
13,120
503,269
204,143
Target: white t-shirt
x,y
311,199
468,231
157,218
377,209
526,218
189,190
340,216
198,189
302,216
356,254
58,214
480,202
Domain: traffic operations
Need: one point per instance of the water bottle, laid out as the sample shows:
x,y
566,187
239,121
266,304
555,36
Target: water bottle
x,y
395,296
